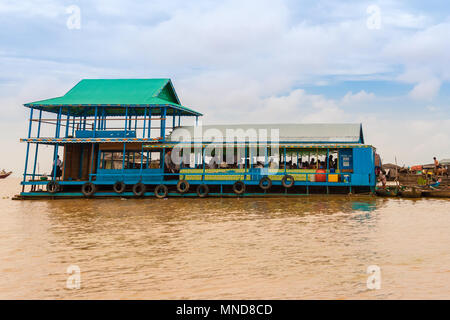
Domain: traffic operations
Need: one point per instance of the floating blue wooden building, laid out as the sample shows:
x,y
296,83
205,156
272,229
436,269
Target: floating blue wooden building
x,y
129,138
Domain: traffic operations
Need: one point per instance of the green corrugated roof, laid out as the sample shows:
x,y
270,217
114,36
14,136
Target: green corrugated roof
x,y
116,93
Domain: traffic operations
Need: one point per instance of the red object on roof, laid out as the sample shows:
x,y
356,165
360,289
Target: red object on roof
x,y
416,168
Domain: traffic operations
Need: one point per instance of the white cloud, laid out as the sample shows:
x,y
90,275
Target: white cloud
x,y
432,108
36,8
425,90
357,98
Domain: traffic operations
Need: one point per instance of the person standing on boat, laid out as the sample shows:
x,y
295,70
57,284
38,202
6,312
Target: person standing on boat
x,y
437,165
168,163
58,168
169,166
213,163
383,178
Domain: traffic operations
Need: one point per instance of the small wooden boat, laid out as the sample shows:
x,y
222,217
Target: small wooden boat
x,y
4,175
410,193
443,193
387,192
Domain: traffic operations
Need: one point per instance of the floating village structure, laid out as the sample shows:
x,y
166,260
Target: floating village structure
x,y
111,137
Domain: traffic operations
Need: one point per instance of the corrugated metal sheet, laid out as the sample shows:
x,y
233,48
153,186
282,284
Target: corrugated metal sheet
x,y
312,133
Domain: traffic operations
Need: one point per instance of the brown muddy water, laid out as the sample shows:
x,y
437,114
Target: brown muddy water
x,y
315,247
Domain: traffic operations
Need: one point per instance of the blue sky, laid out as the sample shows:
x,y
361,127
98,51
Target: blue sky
x,y
245,61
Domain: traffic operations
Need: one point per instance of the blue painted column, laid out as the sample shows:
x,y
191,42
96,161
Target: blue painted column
x,y
149,122
67,122
37,144
203,163
328,162
173,118
28,148
145,122
55,155
73,126
124,143
163,124
95,122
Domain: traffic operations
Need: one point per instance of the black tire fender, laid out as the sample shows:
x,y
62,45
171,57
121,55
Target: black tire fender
x,y
163,188
285,182
119,187
265,186
202,190
180,187
53,187
239,187
88,189
139,189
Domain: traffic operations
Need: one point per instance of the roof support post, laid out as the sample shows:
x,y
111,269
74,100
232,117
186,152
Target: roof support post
x,y
124,143
163,124
163,162
173,119
203,163
142,160
245,161
145,122
328,159
98,157
149,123
95,121
91,169
37,144
266,160
135,120
67,122
103,119
55,154
28,148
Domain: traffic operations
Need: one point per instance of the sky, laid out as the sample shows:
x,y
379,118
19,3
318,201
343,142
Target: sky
x,y
384,64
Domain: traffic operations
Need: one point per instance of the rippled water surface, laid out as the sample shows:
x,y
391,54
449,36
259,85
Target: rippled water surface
x,y
288,248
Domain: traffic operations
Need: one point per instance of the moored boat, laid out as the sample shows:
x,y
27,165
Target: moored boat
x,y
387,192
438,193
4,175
410,193
124,138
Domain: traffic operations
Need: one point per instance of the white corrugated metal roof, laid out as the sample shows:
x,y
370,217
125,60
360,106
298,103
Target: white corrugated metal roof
x,y
320,132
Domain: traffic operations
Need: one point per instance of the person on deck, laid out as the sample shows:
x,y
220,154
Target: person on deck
x,y
330,162
58,168
169,166
213,163
382,177
312,163
437,165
